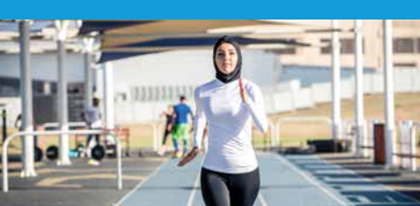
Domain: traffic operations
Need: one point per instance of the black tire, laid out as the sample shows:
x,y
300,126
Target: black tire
x,y
52,153
98,152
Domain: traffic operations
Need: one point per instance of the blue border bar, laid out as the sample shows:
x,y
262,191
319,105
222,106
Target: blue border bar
x,y
193,9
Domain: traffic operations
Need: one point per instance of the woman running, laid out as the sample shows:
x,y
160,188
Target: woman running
x,y
229,104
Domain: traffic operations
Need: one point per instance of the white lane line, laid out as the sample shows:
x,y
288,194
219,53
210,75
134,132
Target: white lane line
x,y
262,200
314,182
197,181
141,183
378,184
194,190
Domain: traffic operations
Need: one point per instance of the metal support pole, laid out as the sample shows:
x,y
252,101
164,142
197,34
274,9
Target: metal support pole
x,y
389,94
88,80
278,137
366,138
26,94
99,85
4,127
272,135
62,94
336,86
109,97
88,72
155,137
413,147
359,124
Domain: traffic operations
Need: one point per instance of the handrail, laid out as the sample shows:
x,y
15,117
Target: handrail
x,y
273,133
70,124
306,119
50,133
156,136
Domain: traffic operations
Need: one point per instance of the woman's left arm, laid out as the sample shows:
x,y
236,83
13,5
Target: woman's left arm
x,y
254,101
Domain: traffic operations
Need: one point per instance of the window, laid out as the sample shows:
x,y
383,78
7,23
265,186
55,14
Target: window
x,y
121,97
171,92
143,93
164,93
404,45
418,45
136,94
327,48
346,47
149,93
289,50
402,64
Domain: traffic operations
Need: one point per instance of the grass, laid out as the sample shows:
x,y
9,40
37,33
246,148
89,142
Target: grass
x,y
407,107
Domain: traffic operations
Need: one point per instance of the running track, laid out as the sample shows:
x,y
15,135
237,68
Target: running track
x,y
300,180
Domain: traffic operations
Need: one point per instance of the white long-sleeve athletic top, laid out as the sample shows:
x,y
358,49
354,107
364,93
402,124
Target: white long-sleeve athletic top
x,y
229,124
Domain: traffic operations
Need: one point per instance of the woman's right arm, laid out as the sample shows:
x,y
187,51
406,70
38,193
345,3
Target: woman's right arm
x,y
199,125
255,104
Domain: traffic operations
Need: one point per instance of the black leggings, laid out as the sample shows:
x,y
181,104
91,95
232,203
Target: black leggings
x,y
165,136
221,189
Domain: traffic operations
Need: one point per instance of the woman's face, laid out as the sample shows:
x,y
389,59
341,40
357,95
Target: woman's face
x,y
226,58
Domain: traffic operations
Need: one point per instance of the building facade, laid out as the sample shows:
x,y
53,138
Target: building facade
x,y
406,34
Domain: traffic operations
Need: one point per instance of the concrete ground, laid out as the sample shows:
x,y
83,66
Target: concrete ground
x,y
78,184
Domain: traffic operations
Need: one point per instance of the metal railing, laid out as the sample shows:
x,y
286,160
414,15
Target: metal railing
x,y
407,145
50,133
155,126
50,125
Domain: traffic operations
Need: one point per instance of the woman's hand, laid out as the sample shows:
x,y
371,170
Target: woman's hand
x,y
187,158
242,91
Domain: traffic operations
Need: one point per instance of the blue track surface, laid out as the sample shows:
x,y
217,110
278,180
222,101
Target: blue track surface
x,y
287,181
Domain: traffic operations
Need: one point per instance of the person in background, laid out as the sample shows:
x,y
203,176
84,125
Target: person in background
x,y
92,117
169,115
182,126
18,122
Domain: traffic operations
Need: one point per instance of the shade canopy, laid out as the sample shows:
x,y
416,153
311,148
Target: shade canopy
x,y
116,39
168,44
120,39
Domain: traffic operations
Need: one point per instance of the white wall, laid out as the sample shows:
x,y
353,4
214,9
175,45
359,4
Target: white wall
x,y
44,67
321,92
288,96
193,67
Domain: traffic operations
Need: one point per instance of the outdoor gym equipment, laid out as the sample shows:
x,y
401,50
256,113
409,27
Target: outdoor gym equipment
x,y
38,154
55,133
52,152
98,152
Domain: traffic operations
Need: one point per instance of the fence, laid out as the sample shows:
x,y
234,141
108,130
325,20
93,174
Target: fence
x,y
405,150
